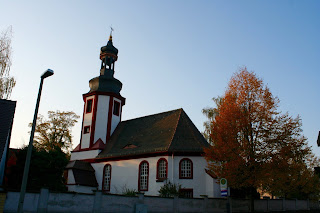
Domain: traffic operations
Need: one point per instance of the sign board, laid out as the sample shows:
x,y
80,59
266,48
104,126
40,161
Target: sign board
x,y
224,187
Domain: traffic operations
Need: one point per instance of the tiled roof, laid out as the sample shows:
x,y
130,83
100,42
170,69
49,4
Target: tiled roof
x,y
80,165
7,109
171,131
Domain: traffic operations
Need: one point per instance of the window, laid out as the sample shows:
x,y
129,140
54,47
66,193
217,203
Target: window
x,y
86,129
89,106
186,193
106,178
185,169
116,108
162,169
143,176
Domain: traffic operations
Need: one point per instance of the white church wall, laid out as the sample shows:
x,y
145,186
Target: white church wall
x,y
102,119
87,121
212,187
84,154
209,185
198,182
124,174
70,177
115,119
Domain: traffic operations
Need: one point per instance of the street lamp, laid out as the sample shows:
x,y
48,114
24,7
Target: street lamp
x,y
46,74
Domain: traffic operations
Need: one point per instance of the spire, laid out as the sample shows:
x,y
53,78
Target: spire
x,y
106,81
110,37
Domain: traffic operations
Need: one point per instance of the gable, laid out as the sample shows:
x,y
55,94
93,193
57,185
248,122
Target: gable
x,y
187,137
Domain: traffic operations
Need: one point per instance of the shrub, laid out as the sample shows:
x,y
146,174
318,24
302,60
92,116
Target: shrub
x,y
129,192
169,190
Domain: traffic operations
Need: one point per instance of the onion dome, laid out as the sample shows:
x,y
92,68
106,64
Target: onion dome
x,y
109,50
106,82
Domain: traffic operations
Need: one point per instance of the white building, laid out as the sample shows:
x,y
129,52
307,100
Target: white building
x,y
139,154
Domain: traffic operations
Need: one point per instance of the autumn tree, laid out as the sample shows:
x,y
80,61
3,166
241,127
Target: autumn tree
x,y
54,132
291,174
6,82
50,155
253,143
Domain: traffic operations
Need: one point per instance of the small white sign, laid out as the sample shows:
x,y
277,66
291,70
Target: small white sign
x,y
224,187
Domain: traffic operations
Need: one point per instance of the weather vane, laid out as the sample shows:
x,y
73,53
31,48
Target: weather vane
x,y
111,30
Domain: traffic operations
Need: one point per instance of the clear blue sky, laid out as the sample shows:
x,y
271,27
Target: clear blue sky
x,y
172,54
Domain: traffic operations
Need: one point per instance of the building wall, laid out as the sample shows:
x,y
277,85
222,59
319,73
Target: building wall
x,y
87,121
101,121
115,119
124,175
84,154
102,118
71,179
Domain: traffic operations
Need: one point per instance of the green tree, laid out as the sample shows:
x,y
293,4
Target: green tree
x,y
55,131
251,138
6,82
46,170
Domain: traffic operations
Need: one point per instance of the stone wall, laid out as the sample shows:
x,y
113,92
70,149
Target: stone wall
x,y
82,203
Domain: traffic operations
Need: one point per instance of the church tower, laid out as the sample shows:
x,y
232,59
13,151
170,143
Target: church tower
x,y
102,106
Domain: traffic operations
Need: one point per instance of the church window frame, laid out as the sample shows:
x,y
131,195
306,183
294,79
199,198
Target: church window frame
x,y
162,169
106,180
86,129
89,105
116,108
186,193
185,169
143,180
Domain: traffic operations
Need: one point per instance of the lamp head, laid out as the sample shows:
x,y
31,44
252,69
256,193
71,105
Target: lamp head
x,y
47,73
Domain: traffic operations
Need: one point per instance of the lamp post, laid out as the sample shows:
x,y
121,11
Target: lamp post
x,y
46,74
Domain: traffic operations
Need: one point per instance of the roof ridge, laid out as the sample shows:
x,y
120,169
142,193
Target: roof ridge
x,y
175,129
152,115
198,133
189,122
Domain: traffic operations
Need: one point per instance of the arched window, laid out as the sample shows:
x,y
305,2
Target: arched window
x,y
162,169
185,169
106,178
143,176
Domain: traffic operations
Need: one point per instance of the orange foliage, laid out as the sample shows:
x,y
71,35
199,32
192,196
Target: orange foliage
x,y
252,142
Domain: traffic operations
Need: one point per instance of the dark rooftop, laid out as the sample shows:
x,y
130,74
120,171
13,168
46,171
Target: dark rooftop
x,y
80,165
7,109
171,131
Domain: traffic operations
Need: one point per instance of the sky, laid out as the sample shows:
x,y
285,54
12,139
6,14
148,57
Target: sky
x,y
172,54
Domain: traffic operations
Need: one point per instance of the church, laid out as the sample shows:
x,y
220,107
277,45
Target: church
x,y
140,154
